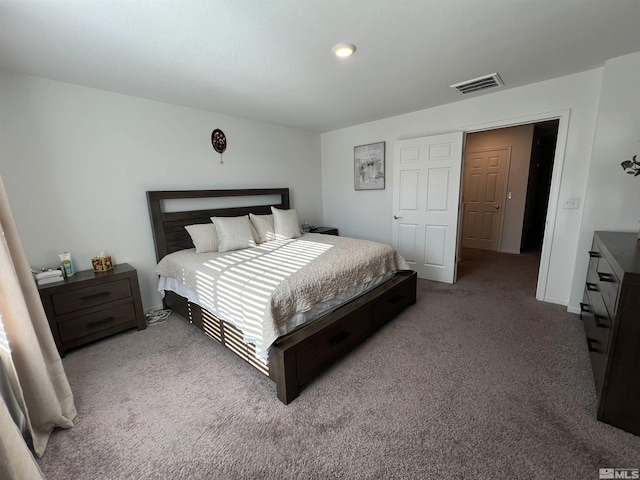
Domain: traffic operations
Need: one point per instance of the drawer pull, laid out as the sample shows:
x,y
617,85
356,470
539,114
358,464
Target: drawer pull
x,y
335,340
396,298
591,344
95,295
593,254
599,321
584,308
592,287
605,277
100,322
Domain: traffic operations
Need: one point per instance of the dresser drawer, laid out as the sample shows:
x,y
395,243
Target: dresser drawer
x,y
592,273
597,323
90,296
594,255
84,325
609,285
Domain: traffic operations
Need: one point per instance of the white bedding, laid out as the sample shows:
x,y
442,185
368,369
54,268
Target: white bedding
x,y
269,290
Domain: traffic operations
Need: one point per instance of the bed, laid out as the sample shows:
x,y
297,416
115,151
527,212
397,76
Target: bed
x,y
303,351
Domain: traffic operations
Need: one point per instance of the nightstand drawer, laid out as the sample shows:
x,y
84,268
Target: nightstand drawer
x,y
94,322
90,296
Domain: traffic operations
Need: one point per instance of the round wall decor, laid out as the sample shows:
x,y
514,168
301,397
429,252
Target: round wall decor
x,y
219,141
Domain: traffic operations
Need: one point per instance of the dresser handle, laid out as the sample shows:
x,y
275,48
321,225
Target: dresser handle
x,y
605,277
590,344
593,254
585,307
599,322
101,322
95,295
592,287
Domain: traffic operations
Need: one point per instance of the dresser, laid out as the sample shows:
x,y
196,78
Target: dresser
x,y
92,305
610,312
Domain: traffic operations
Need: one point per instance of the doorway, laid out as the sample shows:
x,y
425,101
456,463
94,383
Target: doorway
x,y
514,220
545,138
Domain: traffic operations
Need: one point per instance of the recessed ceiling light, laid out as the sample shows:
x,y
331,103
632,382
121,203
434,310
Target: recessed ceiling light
x,y
343,49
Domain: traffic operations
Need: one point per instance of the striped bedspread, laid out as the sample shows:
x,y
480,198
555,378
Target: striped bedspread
x,y
260,289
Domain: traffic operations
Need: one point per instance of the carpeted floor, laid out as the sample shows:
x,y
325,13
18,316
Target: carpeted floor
x,y
477,380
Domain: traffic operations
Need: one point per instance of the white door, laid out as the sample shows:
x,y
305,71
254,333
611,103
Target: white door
x,y
426,198
483,197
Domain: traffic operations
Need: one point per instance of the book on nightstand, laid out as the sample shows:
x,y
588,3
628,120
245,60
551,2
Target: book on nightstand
x,y
49,276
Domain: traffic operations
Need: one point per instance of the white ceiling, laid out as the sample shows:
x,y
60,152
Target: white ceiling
x,y
271,60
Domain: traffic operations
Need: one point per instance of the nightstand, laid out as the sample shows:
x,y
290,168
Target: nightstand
x,y
326,230
92,305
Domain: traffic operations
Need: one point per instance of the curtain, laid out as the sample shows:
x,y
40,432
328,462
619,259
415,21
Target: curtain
x,y
16,461
28,352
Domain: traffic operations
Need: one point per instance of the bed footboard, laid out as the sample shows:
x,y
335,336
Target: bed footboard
x,y
297,358
300,356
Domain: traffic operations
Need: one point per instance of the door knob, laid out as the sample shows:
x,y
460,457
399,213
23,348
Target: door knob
x,y
396,217
497,207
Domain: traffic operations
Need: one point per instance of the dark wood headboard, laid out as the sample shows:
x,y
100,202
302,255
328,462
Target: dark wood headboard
x,y
169,234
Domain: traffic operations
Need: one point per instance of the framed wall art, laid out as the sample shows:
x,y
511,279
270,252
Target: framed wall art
x,y
368,161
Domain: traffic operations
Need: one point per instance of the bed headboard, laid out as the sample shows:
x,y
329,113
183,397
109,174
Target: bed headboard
x,y
169,234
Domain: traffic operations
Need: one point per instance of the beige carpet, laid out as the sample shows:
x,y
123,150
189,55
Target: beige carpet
x,y
477,380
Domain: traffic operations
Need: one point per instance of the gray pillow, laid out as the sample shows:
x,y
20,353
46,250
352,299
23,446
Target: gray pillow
x,y
204,237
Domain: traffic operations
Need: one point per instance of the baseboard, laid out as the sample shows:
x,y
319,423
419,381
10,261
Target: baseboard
x,y
557,301
572,309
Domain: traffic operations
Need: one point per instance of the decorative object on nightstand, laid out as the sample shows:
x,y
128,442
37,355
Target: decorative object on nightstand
x,y
609,313
102,262
93,305
66,262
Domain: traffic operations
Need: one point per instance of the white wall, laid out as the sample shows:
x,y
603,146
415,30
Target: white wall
x,y
520,140
77,161
367,214
612,195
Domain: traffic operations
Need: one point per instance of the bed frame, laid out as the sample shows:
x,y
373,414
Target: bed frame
x,y
294,359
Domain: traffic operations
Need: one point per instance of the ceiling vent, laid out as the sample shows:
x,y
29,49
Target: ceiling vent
x,y
477,84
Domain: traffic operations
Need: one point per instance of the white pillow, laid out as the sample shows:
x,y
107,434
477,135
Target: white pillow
x,y
286,224
263,225
204,237
234,233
